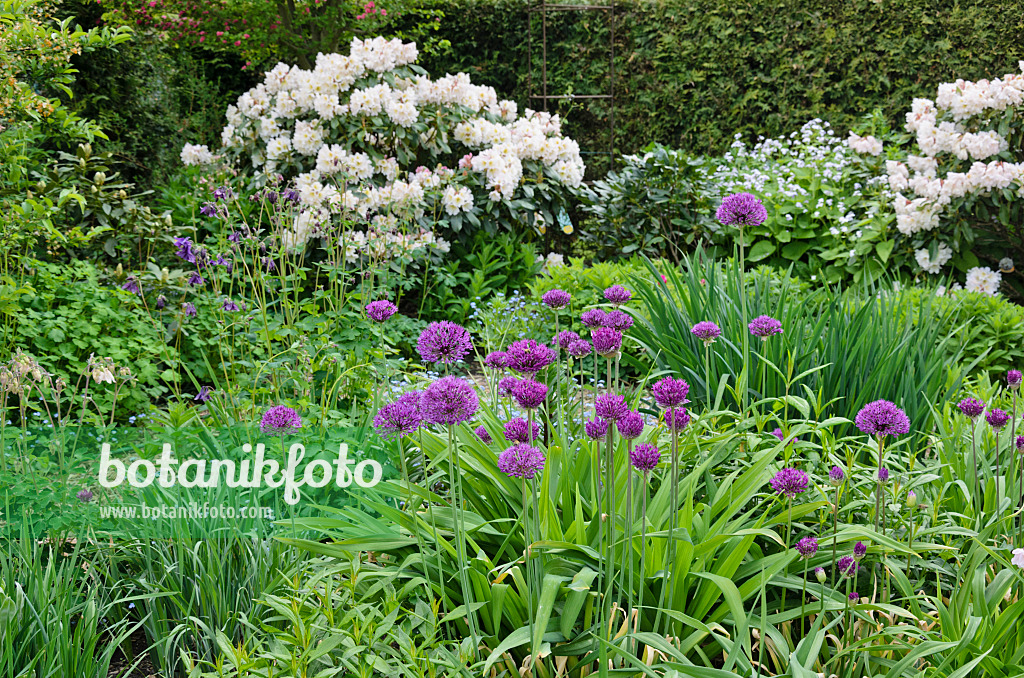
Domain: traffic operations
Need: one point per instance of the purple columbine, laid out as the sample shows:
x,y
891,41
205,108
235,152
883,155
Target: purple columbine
x,y
741,209
578,349
971,407
380,310
526,356
630,425
882,418
400,418
618,295
483,435
203,395
847,566
593,318
132,285
161,301
883,475
184,250
507,386
997,418
645,457
706,331
496,360
607,342
190,309
790,482
836,476
280,420
449,401
195,280
611,406
208,209
518,431
556,299
84,496
521,461
670,392
444,342
618,320
595,428
677,418
223,193
529,394
764,326
860,550
229,305
807,547
1013,379
565,339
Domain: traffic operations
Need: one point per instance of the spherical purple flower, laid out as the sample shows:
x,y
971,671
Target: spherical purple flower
x,y
836,476
565,339
578,349
1013,379
611,406
790,482
882,418
630,425
556,299
496,360
482,433
618,320
677,418
764,326
741,209
444,342
84,496
847,566
280,420
670,392
229,306
595,428
607,342
449,401
506,386
400,418
883,475
132,285
1020,443
860,550
645,457
380,310
526,356
593,318
529,394
854,596
518,431
779,434
190,309
203,395
807,547
521,461
706,331
997,418
971,407
618,295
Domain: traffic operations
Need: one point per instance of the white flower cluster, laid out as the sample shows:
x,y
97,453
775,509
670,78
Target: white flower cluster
x,y
942,255
983,279
196,154
868,145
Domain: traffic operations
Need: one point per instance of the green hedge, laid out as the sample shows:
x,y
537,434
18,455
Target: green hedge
x,y
691,73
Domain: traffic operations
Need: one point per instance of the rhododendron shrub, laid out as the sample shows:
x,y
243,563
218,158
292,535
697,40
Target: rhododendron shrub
x,y
370,137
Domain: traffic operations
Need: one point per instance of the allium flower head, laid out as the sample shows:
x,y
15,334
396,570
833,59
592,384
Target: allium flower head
x,y
611,406
607,342
883,475
741,209
496,360
596,428
836,476
380,310
521,461
764,326
518,430
565,339
529,394
790,482
997,418
449,401
617,294
645,457
526,356
854,596
706,331
578,349
444,342
593,318
677,418
280,420
807,547
630,425
971,407
670,392
618,320
1013,379
882,418
779,434
819,574
1020,443
847,566
556,299
483,434
84,496
400,418
506,386
860,550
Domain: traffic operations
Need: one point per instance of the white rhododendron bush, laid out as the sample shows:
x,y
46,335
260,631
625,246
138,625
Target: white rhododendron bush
x,y
370,137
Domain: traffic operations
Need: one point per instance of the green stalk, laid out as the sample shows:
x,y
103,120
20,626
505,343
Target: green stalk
x,y
977,481
803,600
628,550
789,536
460,550
878,483
529,573
835,537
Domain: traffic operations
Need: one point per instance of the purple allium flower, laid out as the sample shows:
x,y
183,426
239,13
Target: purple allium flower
x,y
556,299
203,395
741,209
997,418
223,193
132,285
706,331
607,342
807,547
84,496
618,295
578,349
229,305
280,420
1013,379
449,401
184,251
971,407
883,474
630,425
506,386
836,476
595,428
526,356
882,418
161,301
496,360
677,418
208,209
860,550
847,566
521,461
593,318
611,406
190,309
912,499
400,418
670,392
779,434
790,482
764,326
518,430
645,457
1020,443
819,574
529,394
483,435
565,339
380,310
854,596
444,342
618,320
